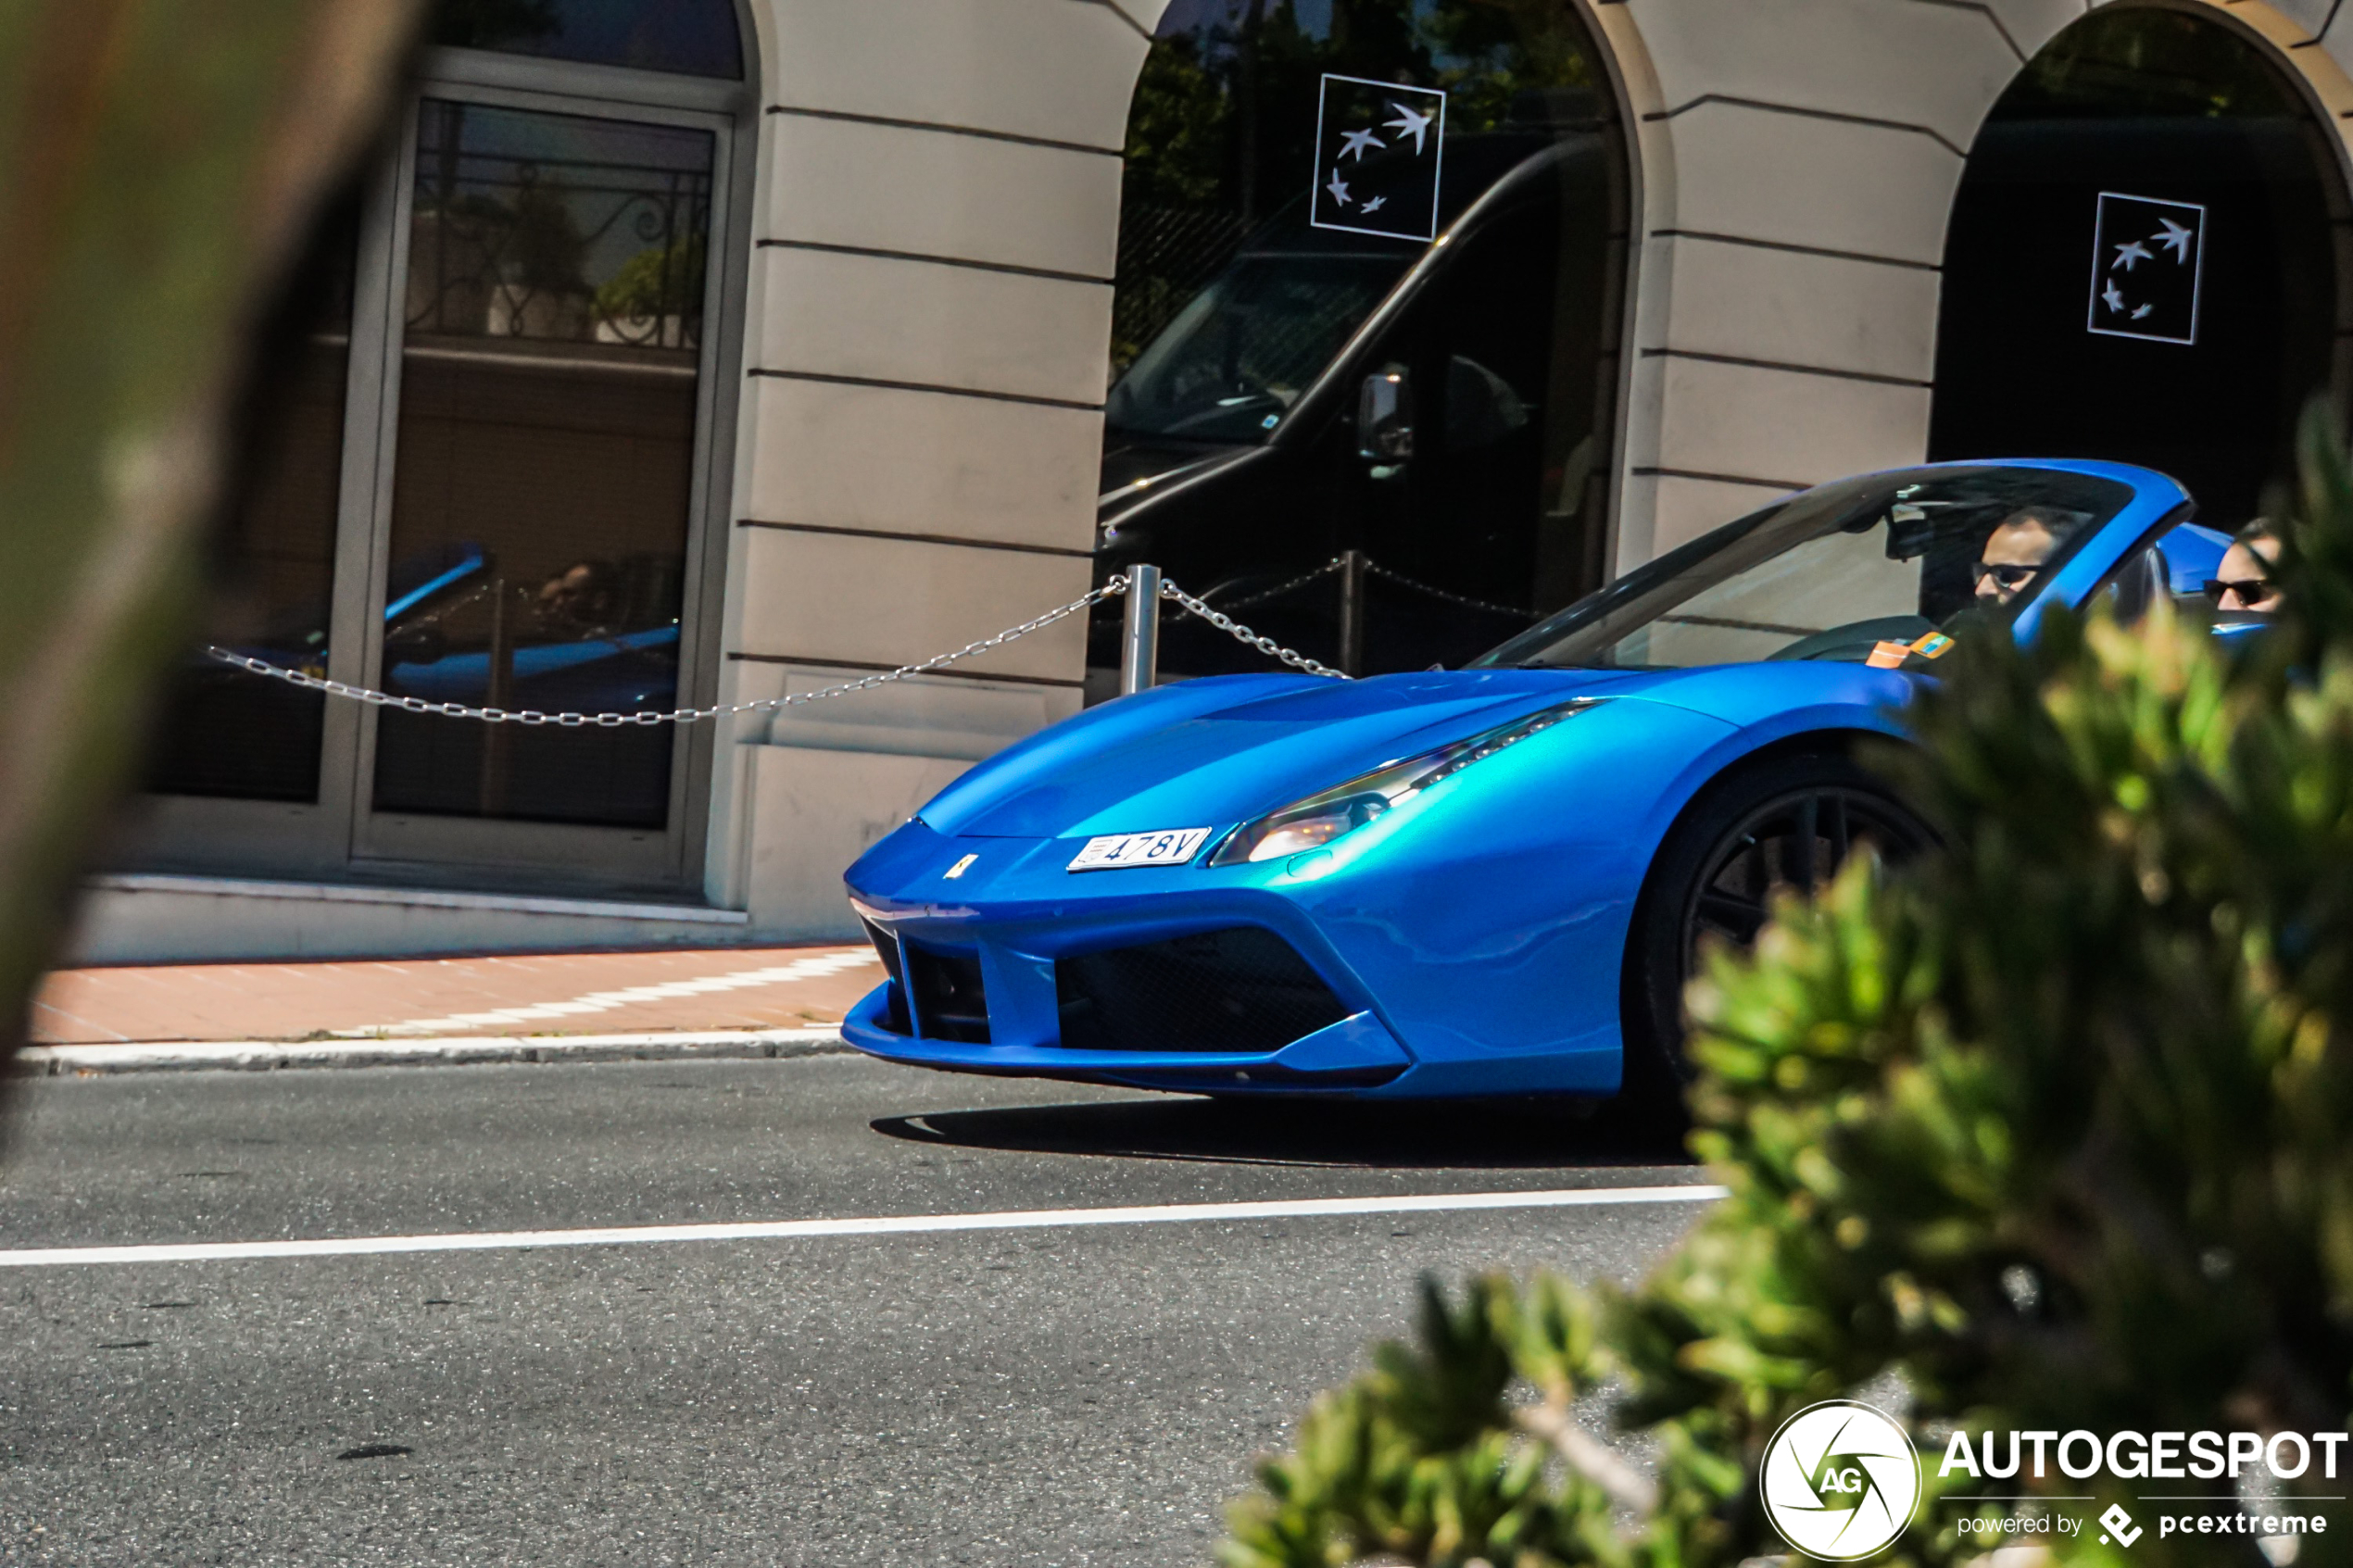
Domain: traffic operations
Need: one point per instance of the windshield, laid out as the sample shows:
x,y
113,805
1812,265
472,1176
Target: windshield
x,y
1883,570
1245,347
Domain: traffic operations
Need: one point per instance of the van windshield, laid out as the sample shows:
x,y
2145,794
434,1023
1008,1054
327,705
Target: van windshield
x,y
1243,350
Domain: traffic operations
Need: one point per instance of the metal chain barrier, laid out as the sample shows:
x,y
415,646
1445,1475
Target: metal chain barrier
x,y
1297,583
1116,586
1404,582
1242,634
1374,569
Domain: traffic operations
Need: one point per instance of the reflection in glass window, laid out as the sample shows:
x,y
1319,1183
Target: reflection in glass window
x,y
1221,137
2148,63
1242,349
690,37
554,309
1245,337
557,229
221,731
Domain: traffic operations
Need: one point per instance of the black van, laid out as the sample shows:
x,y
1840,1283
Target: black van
x,y
1440,409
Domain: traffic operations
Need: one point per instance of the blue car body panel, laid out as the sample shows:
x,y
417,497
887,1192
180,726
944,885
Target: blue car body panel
x,y
595,673
619,672
2192,555
1475,933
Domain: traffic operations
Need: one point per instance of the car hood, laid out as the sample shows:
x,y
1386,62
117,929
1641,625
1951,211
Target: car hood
x,y
1206,753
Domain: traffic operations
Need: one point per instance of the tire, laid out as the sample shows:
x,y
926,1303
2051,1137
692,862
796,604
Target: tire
x,y
1733,846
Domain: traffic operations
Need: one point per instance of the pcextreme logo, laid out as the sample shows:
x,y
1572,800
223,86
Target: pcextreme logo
x,y
1841,1480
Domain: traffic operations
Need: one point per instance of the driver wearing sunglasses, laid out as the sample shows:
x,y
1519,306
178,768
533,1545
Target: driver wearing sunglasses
x,y
2243,581
2014,553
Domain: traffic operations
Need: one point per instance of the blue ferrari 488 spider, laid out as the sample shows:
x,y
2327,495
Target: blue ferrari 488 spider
x,y
1485,881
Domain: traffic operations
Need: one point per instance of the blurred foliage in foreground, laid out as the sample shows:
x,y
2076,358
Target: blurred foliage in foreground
x,y
2053,1125
161,162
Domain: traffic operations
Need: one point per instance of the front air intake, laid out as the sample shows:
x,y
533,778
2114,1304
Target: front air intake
x,y
895,999
1242,989
950,1002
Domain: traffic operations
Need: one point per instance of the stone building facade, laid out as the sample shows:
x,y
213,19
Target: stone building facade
x,y
913,239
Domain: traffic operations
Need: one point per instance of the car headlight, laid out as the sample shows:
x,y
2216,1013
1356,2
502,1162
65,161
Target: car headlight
x,y
1320,818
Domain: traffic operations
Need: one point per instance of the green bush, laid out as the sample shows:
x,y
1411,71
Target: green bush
x,y
2051,1126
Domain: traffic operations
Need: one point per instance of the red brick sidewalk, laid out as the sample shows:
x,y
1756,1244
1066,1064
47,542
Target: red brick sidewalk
x,y
553,994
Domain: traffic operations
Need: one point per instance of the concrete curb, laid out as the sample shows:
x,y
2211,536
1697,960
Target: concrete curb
x,y
252,1056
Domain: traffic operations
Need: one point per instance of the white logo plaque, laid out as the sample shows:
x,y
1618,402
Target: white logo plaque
x,y
1377,149
2148,257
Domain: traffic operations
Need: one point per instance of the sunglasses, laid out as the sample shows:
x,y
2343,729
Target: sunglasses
x,y
2008,576
2252,591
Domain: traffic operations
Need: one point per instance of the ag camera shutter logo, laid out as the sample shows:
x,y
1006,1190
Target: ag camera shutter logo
x,y
1841,1480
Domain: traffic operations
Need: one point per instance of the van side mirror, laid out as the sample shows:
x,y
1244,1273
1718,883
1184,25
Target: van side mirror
x,y
1385,416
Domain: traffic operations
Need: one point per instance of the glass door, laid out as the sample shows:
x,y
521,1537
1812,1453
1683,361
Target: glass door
x,y
246,774
489,453
224,735
538,517
485,437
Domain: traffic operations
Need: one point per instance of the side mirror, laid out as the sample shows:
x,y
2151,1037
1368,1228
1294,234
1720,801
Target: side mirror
x,y
1385,416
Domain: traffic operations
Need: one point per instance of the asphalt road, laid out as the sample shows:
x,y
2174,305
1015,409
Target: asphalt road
x,y
1055,1396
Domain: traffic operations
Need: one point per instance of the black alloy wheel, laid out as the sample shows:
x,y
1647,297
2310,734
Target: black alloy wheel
x,y
1787,822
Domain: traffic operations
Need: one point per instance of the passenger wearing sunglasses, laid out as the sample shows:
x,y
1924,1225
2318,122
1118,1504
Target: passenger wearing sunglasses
x,y
2014,553
2243,582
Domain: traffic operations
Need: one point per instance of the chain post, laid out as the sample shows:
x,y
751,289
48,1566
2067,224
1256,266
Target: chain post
x,y
1352,612
1139,649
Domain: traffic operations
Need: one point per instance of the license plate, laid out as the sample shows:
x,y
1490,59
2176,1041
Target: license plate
x,y
1171,847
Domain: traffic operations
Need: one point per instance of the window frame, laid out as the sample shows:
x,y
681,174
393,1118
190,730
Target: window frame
x,y
341,836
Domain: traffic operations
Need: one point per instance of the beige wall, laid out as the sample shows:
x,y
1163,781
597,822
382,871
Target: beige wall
x,y
937,219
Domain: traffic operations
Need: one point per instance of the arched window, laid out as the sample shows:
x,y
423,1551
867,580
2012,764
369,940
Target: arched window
x,y
491,478
1369,279
689,37
2141,263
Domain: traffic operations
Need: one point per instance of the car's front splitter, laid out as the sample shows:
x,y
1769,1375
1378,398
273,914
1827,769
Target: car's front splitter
x,y
1351,1057
1355,1057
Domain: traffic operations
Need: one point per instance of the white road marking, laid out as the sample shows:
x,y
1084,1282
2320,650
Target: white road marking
x,y
605,1001
898,1224
200,1056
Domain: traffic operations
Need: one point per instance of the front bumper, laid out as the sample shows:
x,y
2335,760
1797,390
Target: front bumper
x,y
1117,984
1442,1006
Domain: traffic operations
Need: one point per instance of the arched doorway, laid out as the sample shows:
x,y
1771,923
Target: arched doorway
x,y
493,475
2141,264
1371,272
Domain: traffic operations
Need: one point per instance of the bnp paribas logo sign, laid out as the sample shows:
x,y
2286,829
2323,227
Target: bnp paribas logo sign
x,y
1841,1480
